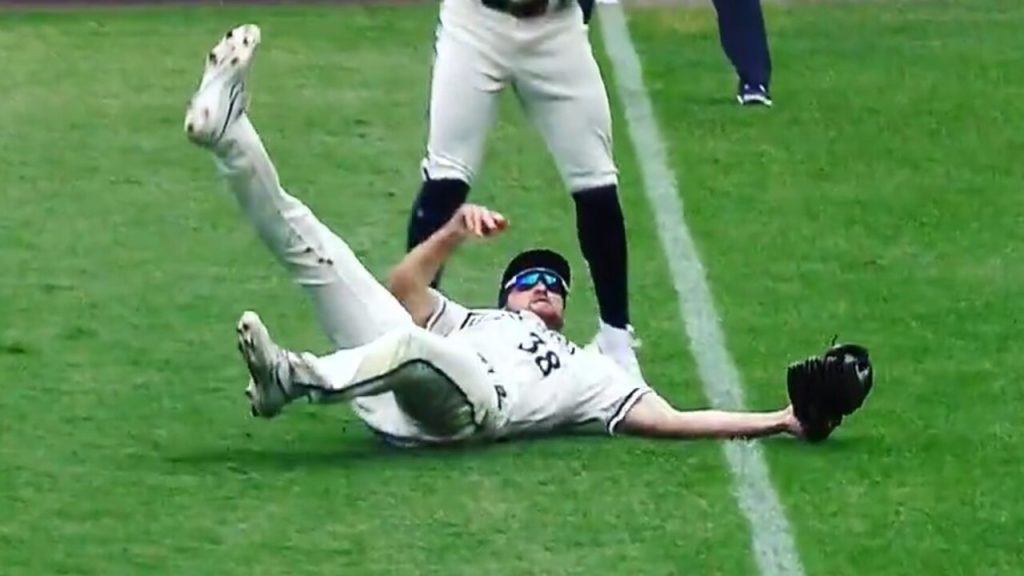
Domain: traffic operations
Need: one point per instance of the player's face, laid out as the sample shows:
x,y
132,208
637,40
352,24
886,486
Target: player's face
x,y
540,292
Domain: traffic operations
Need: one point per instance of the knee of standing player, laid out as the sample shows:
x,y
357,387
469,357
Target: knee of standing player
x,y
438,167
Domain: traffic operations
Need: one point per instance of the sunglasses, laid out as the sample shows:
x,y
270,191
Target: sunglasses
x,y
527,279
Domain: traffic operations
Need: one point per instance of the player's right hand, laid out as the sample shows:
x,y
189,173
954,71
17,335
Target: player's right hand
x,y
478,221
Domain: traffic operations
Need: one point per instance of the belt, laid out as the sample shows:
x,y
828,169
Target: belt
x,y
524,8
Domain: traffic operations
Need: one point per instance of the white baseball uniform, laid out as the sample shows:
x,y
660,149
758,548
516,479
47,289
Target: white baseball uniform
x,y
549,62
470,373
548,381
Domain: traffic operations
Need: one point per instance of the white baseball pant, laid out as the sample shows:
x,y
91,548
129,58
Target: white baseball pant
x,y
550,64
418,384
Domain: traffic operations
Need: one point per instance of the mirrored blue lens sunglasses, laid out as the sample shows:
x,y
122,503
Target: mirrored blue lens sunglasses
x,y
527,279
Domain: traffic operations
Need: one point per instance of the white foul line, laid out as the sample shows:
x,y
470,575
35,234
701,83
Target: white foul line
x,y
774,550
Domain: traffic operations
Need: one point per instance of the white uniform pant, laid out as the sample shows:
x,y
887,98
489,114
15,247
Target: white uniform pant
x,y
550,64
408,384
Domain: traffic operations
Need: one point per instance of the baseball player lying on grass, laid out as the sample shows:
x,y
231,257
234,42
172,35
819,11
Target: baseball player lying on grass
x,y
421,369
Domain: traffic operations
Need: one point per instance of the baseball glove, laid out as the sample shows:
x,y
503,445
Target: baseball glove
x,y
826,387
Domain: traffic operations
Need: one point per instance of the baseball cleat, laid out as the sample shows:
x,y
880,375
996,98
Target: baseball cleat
x,y
753,95
221,97
268,367
624,356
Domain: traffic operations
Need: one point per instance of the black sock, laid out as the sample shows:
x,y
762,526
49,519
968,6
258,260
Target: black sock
x,y
601,229
434,206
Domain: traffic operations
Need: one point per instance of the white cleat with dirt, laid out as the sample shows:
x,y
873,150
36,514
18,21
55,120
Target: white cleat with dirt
x,y
267,362
620,345
221,97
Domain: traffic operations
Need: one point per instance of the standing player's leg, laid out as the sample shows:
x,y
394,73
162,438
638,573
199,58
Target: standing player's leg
x,y
444,387
350,304
468,74
561,88
744,40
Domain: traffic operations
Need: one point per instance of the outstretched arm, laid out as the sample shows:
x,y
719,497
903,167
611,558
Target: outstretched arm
x,y
409,281
652,416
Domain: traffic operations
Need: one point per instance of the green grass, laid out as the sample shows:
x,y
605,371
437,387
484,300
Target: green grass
x,y
127,445
878,199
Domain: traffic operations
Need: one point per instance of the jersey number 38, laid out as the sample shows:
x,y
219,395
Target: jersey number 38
x,y
545,359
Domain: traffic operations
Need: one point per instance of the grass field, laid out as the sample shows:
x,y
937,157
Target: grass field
x,y
880,199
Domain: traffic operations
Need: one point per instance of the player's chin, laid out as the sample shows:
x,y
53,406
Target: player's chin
x,y
551,314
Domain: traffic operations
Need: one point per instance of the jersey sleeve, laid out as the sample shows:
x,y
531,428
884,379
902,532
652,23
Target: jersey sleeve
x,y
448,315
609,394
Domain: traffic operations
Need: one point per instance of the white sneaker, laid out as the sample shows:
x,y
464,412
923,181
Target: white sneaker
x,y
221,97
620,345
269,389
